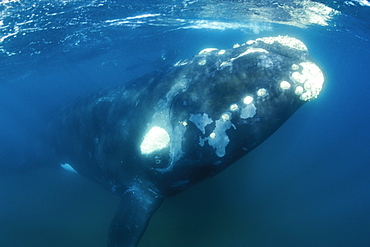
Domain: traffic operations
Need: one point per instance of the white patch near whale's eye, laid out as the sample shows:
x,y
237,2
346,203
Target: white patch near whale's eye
x,y
156,139
247,100
261,92
284,85
234,107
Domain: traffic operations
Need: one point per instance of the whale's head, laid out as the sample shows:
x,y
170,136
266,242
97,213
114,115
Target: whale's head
x,y
166,131
224,103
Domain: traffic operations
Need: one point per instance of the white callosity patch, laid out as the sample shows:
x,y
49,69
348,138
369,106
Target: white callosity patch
x,y
298,77
251,50
249,110
155,139
225,116
233,107
248,51
218,139
285,85
261,92
295,67
286,41
201,121
184,123
247,100
311,78
298,90
202,62
207,50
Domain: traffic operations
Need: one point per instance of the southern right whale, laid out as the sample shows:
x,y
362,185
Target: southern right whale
x,y
166,131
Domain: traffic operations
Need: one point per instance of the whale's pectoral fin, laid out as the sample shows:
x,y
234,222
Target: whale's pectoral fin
x,y
135,210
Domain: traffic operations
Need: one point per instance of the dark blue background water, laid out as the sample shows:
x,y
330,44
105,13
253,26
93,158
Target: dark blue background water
x,y
307,185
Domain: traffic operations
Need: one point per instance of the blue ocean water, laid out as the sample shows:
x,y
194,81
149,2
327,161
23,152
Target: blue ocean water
x,y
307,185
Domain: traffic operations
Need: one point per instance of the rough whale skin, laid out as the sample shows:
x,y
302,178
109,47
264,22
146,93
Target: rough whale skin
x,y
164,132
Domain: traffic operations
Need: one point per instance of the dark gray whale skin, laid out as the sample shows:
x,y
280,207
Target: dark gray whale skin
x,y
164,132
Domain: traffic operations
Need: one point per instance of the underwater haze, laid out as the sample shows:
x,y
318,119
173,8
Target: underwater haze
x,y
307,185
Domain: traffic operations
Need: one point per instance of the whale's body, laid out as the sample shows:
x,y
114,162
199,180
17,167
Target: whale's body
x,y
162,133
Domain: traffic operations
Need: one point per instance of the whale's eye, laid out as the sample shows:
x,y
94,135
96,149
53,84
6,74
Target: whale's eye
x,y
158,159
